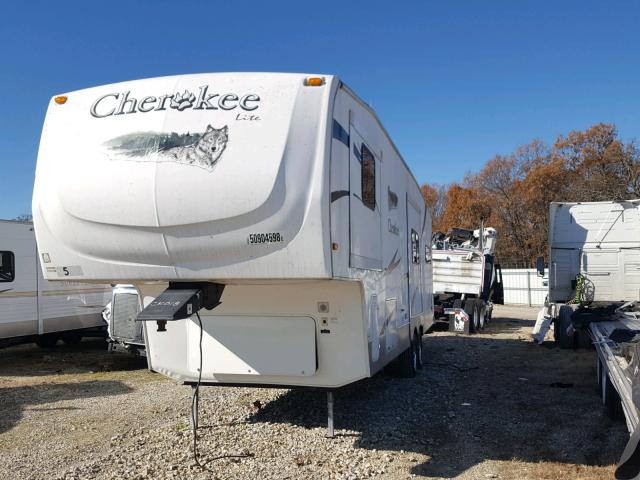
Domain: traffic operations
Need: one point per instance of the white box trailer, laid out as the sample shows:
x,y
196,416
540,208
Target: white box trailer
x,y
467,281
594,298
279,195
33,309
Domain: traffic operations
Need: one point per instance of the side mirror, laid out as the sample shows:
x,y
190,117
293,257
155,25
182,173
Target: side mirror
x,y
540,266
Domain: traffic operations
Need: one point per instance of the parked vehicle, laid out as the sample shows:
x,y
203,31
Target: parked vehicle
x,y
266,218
33,309
594,298
125,332
467,281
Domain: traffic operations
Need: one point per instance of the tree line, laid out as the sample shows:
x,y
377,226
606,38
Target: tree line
x,y
512,192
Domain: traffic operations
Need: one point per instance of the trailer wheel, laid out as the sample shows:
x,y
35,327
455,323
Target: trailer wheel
x,y
418,349
470,308
610,397
408,362
73,338
482,314
561,335
48,340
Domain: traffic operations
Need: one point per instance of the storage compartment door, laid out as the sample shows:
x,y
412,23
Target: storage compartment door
x,y
254,345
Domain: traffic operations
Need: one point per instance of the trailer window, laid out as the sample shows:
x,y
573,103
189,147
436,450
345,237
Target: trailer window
x,y
7,266
415,247
368,178
427,253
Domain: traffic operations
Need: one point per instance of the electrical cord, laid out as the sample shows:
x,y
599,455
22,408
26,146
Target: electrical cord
x,y
195,403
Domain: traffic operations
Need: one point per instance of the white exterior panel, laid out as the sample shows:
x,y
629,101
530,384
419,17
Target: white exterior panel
x,y
147,207
457,272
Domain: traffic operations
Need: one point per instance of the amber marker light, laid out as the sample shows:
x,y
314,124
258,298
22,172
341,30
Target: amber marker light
x,y
314,82
60,99
334,246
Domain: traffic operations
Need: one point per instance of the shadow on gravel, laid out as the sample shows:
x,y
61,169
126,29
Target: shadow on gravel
x,y
478,398
91,355
14,401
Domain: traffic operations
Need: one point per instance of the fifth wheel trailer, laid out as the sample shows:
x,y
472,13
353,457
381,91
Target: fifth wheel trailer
x,y
594,297
275,201
33,309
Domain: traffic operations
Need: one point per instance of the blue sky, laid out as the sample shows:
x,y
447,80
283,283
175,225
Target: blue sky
x,y
453,82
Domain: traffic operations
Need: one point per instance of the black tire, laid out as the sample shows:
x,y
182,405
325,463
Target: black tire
x,y
470,308
610,397
72,338
407,362
482,314
418,348
48,340
563,322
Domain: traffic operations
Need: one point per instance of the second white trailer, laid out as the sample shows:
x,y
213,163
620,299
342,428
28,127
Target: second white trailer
x,y
279,195
33,309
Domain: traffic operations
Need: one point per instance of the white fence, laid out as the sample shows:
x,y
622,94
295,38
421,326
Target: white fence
x,y
523,286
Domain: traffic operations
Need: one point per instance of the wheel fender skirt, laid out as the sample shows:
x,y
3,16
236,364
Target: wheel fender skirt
x,y
629,465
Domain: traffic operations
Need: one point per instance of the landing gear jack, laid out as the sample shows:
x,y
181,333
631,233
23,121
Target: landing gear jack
x,y
330,432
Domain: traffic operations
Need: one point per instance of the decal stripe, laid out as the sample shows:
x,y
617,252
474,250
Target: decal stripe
x,y
340,134
339,194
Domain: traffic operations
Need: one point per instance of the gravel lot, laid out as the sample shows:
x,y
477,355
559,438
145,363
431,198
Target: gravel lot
x,y
488,406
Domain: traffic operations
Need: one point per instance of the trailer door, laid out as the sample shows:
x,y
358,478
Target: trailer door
x,y
364,205
414,225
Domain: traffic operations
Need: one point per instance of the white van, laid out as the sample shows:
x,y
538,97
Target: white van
x,y
279,195
33,309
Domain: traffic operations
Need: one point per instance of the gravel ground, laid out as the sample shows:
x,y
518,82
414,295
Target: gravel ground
x,y
492,405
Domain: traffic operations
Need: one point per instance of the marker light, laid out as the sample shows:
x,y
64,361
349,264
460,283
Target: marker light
x,y
60,100
314,82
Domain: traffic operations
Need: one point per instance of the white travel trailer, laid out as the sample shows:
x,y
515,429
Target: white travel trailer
x,y
279,195
33,309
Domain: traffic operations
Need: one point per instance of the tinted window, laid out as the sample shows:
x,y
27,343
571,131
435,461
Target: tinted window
x,y
368,178
7,266
415,247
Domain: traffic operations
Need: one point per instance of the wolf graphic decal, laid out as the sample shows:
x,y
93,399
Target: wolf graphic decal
x,y
199,149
